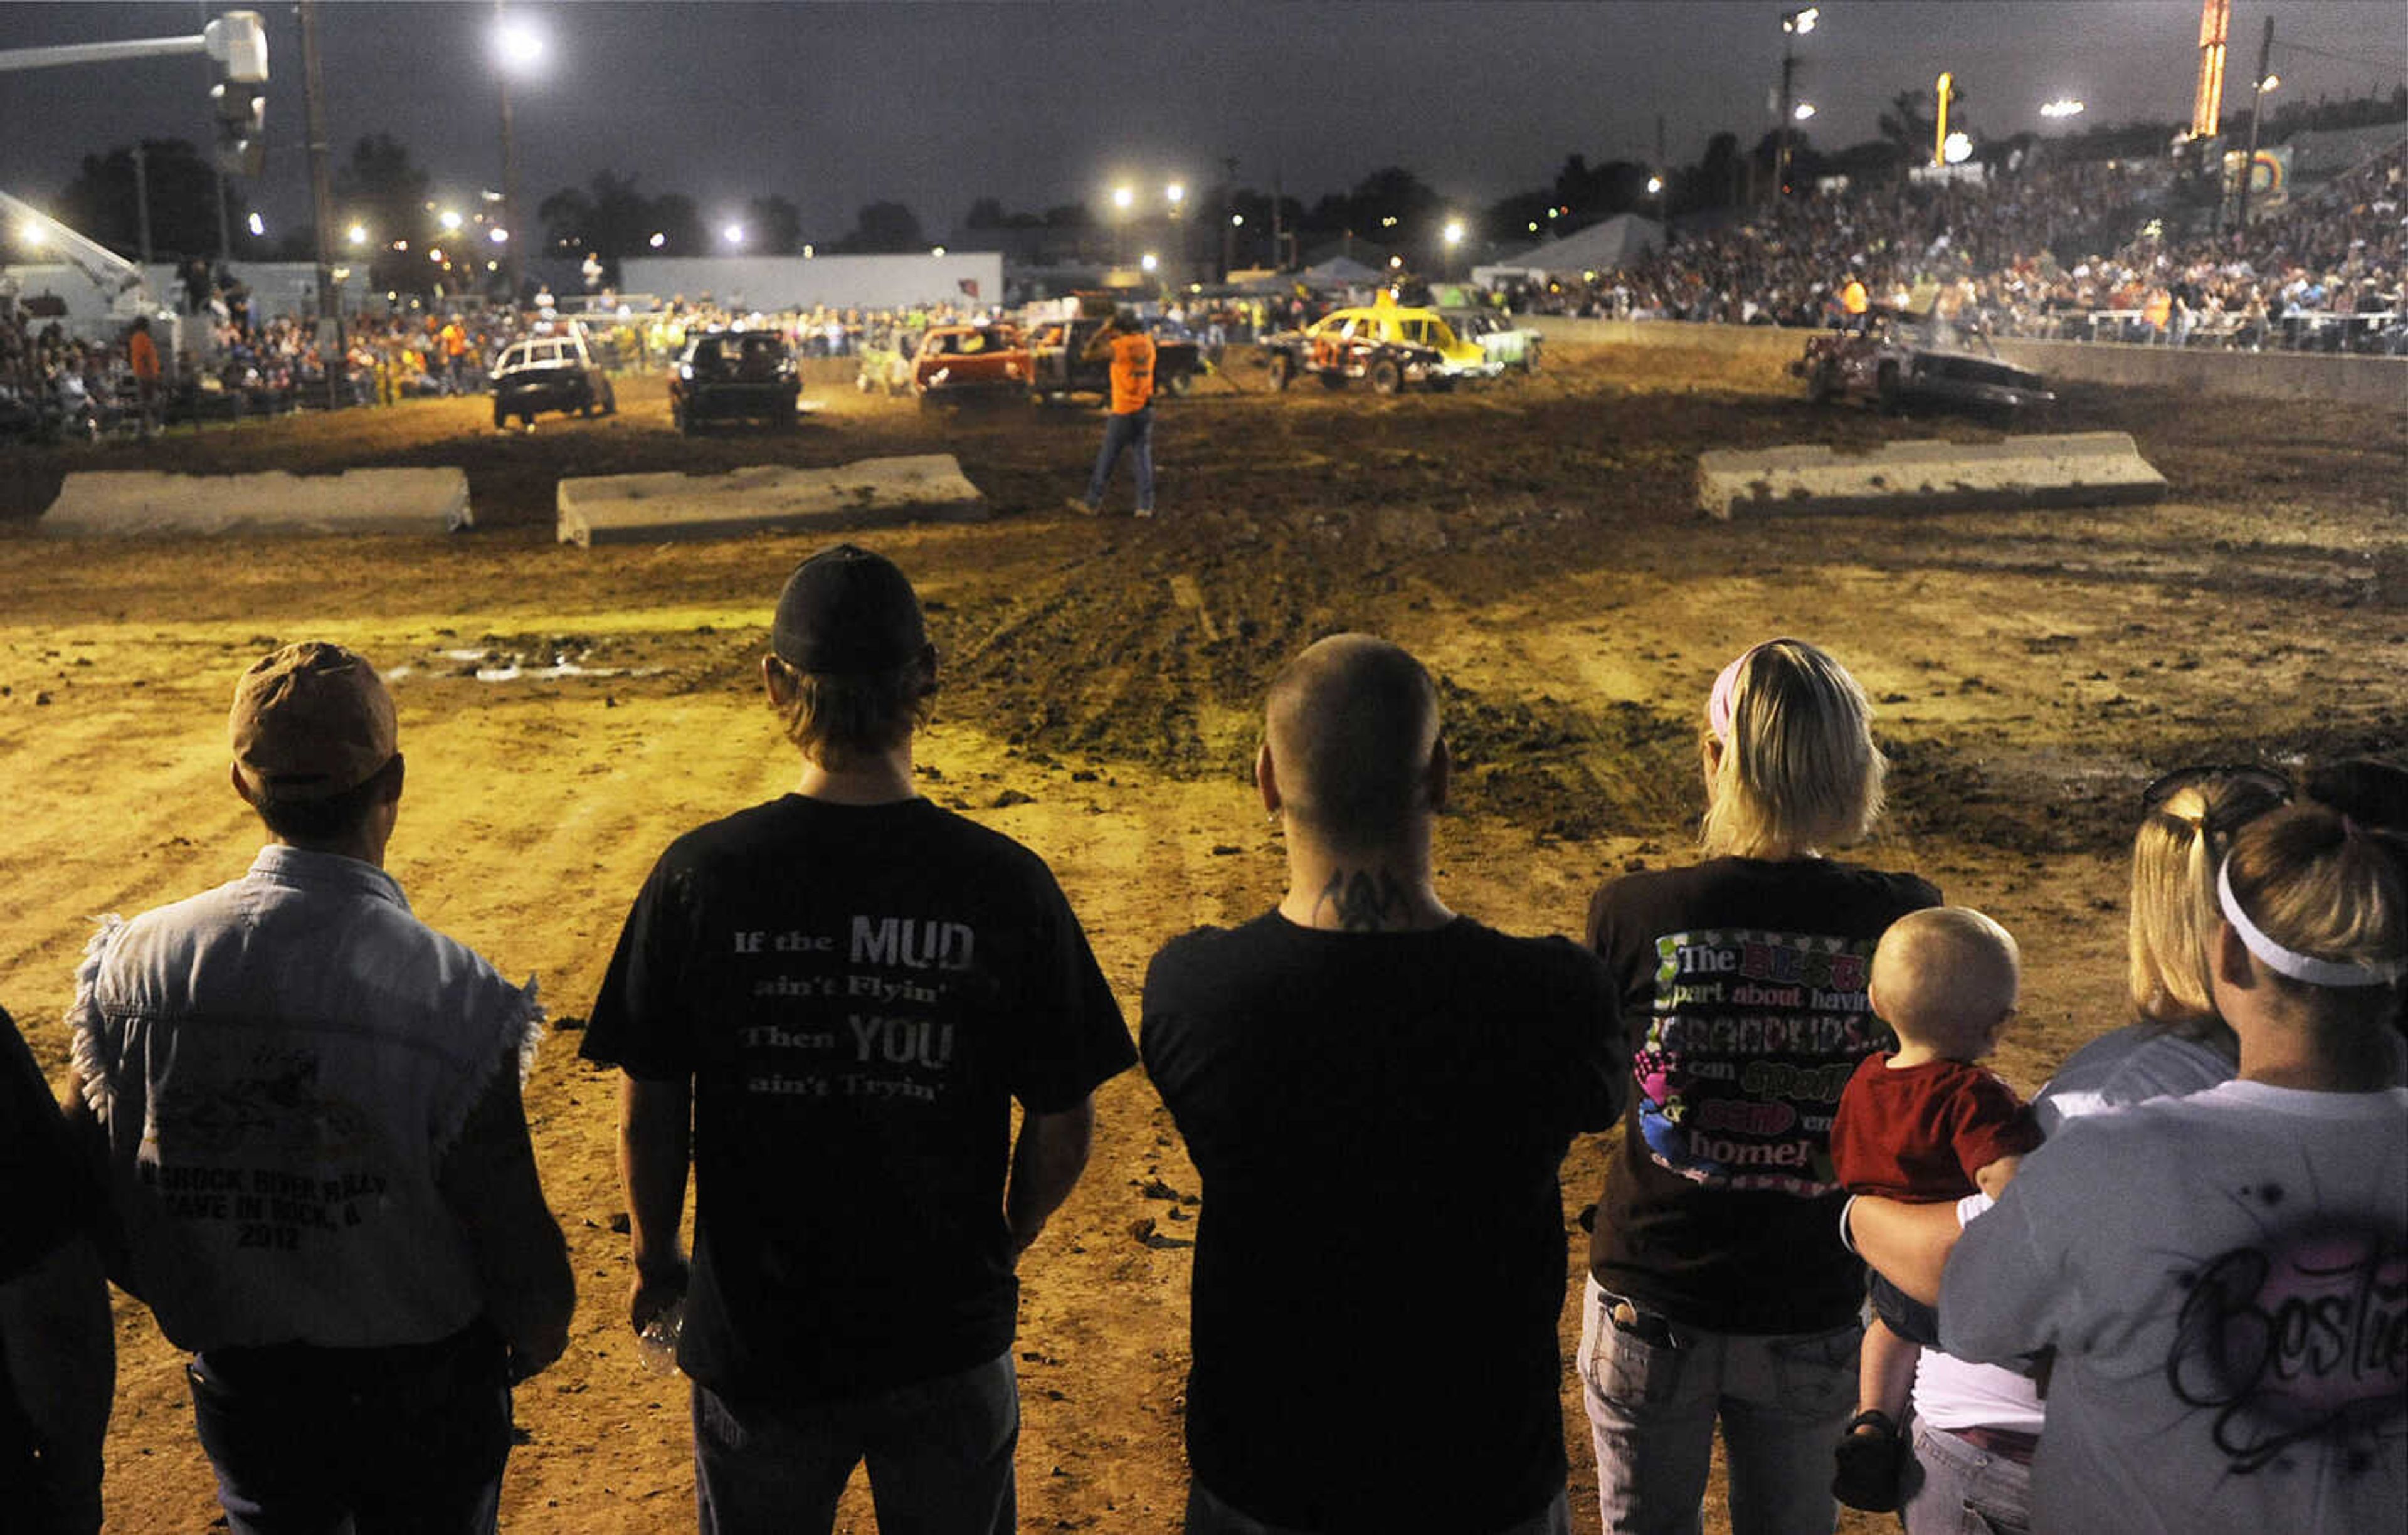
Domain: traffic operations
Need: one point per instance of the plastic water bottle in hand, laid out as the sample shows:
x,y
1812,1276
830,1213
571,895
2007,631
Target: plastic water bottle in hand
x,y
658,1342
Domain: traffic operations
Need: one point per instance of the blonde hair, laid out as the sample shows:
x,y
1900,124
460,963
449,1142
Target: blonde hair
x,y
2175,854
2321,886
1798,769
1946,976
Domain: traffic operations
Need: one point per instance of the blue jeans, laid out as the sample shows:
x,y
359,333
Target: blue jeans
x,y
939,1455
1655,1391
1133,432
1209,1515
1953,1488
406,1440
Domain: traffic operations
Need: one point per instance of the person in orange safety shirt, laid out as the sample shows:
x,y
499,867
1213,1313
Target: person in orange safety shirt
x,y
142,356
1130,426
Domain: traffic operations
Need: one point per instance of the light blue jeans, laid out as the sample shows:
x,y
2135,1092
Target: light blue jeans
x,y
1209,1515
1953,1488
939,1455
1653,1393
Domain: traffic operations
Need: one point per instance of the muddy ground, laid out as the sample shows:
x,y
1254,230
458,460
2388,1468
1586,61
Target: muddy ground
x,y
1534,542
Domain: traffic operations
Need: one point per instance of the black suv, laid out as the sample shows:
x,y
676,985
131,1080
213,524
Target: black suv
x,y
734,376
548,373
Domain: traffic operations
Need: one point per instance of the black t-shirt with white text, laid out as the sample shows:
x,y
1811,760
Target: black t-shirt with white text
x,y
1378,1119
1743,984
858,993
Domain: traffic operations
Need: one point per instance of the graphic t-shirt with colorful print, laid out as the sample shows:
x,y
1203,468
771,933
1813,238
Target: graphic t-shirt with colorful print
x,y
1743,986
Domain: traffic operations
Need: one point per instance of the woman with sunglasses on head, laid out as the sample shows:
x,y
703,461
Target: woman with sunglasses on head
x,y
1974,1427
2221,1275
1718,1289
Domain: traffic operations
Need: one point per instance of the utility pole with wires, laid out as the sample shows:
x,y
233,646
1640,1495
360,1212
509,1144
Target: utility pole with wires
x,y
2256,106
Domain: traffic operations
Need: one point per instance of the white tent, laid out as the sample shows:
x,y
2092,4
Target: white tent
x,y
1618,241
1339,272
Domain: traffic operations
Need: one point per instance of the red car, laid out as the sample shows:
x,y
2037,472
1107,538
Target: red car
x,y
964,361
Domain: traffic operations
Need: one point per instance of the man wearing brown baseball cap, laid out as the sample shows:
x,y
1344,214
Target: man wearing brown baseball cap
x,y
841,992
310,1103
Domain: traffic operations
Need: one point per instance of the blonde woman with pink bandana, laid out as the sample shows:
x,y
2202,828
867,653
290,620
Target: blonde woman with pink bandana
x,y
1718,1289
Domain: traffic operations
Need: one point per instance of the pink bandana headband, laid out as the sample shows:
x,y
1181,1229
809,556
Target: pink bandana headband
x,y
2302,967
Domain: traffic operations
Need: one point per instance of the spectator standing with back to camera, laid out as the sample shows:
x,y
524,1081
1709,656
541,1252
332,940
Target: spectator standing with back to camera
x,y
1130,425
310,1107
1718,1287
1378,1093
841,992
58,1358
2219,1274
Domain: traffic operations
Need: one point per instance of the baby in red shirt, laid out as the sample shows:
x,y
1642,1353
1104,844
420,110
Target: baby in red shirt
x,y
1924,1124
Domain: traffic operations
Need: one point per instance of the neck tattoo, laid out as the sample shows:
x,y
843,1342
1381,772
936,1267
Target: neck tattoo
x,y
1364,902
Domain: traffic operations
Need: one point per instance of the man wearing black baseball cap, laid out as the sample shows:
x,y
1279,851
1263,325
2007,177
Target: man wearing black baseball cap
x,y
839,995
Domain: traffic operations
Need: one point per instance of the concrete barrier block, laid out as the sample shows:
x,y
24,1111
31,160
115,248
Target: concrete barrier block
x,y
872,492
141,503
2063,470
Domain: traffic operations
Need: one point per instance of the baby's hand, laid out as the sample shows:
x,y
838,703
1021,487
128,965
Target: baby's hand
x,y
1992,1178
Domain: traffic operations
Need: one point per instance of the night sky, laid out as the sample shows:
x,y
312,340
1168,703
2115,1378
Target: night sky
x,y
832,106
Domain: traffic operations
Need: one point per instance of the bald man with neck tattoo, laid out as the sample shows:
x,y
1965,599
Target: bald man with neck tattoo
x,y
1378,1093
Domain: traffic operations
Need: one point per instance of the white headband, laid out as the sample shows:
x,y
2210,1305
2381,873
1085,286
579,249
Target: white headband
x,y
2299,967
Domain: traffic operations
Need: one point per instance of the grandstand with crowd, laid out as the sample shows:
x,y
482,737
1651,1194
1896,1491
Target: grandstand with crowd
x,y
2120,250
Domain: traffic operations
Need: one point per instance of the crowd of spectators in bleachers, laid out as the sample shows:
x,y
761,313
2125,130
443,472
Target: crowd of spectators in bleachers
x,y
2323,272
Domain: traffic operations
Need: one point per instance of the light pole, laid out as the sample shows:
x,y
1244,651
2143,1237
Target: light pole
x,y
2263,84
517,48
1793,25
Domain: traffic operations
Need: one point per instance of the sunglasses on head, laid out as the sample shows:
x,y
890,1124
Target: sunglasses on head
x,y
2272,788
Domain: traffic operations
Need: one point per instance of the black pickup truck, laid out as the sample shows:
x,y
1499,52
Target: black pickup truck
x,y
1058,369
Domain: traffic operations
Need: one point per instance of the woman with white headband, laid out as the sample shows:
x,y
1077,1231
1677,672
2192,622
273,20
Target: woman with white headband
x,y
1975,1427
2224,1276
1718,1289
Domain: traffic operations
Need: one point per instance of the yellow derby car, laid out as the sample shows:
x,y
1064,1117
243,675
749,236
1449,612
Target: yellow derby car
x,y
1387,346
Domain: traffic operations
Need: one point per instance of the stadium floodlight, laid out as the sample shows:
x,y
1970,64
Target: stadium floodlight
x,y
2269,83
1800,22
237,42
1176,191
1803,110
1957,150
257,224
448,219
30,233
1124,197
1237,220
657,240
1150,261
1655,185
498,234
1454,232
357,234
518,47
2062,107
733,233
937,251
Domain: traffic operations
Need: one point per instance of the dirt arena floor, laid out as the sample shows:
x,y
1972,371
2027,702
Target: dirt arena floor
x,y
1534,543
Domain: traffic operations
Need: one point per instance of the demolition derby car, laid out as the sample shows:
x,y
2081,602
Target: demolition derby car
x,y
1497,336
1389,346
554,372
970,362
1893,363
734,376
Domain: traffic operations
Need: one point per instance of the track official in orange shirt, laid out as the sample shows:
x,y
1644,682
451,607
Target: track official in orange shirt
x,y
1131,424
142,356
